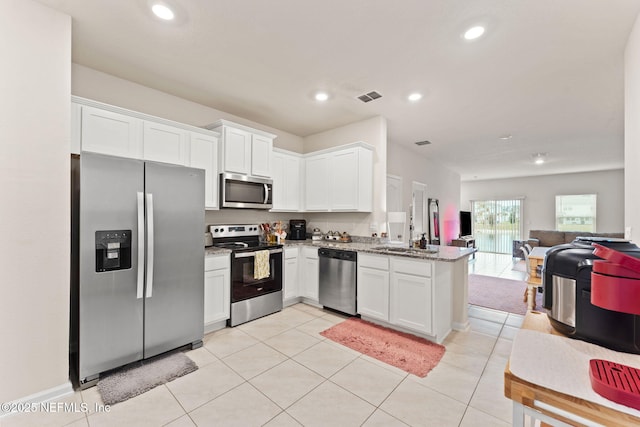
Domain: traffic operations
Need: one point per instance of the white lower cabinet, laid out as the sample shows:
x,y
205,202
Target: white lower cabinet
x,y
373,286
291,274
309,284
217,288
411,299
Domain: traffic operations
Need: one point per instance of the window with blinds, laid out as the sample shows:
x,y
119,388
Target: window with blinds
x,y
496,224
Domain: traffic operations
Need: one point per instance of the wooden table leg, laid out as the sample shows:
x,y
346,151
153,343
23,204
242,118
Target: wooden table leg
x,y
531,298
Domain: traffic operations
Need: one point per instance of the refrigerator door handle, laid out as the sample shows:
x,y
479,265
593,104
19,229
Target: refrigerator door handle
x,y
149,245
141,239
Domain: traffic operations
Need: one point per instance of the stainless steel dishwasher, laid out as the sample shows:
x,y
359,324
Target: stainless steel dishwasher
x,y
337,281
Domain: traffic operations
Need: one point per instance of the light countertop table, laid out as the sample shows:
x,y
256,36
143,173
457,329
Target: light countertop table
x,y
547,377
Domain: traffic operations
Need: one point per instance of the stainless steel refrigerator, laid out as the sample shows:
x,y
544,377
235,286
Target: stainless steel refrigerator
x,y
137,271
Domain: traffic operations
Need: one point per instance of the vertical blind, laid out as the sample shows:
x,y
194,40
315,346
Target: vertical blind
x,y
496,224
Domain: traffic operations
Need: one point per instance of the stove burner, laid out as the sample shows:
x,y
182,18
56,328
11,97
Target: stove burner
x,y
232,245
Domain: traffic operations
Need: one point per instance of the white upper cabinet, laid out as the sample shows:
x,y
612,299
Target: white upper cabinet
x,y
316,180
340,179
236,150
287,170
204,155
162,143
244,150
107,129
112,133
261,151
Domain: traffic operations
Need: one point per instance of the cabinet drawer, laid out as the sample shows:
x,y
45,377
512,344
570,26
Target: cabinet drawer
x,y
216,262
416,268
290,253
310,252
379,262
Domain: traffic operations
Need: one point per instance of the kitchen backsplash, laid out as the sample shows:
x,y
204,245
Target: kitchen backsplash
x,y
355,224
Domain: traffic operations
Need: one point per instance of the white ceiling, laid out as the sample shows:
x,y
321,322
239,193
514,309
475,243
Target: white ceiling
x,y
548,72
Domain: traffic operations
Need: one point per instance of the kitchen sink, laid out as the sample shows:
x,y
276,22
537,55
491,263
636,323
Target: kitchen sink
x,y
401,250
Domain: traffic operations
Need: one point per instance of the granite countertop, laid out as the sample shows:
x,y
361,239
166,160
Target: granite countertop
x,y
433,252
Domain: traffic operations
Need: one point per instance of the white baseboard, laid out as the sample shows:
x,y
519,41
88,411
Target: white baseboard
x,y
53,393
462,327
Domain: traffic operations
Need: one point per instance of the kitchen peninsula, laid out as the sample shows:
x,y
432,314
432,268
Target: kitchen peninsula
x,y
422,291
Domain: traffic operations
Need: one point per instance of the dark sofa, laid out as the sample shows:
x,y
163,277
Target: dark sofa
x,y
550,238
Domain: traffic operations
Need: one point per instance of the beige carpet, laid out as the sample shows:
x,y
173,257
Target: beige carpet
x,y
500,294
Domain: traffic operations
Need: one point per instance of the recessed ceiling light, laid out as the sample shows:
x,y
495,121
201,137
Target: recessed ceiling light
x,y
162,11
506,137
473,33
321,96
539,158
415,97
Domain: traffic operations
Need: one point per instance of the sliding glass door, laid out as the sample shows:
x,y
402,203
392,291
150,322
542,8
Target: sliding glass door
x,y
496,224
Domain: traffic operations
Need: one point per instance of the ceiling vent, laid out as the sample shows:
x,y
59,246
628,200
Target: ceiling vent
x,y
369,96
425,142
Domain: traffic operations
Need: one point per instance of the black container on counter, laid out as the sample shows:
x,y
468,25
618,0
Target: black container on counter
x,y
297,229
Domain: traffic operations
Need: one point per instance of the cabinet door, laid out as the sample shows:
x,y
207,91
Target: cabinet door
x,y
162,143
373,293
217,302
76,128
261,148
111,133
317,183
292,180
237,150
309,284
344,180
411,302
286,182
204,155
291,276
279,182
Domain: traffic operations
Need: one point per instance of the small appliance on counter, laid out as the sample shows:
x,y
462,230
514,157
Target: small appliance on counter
x,y
297,229
567,281
317,234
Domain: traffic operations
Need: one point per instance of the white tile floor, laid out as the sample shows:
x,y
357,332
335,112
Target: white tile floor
x,y
497,265
278,371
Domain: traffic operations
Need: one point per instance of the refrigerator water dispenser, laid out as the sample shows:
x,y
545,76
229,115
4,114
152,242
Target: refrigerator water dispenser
x,y
113,250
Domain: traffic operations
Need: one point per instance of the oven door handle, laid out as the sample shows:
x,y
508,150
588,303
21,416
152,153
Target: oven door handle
x,y
250,254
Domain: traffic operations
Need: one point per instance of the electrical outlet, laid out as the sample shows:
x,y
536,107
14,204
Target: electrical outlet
x,y
627,233
373,227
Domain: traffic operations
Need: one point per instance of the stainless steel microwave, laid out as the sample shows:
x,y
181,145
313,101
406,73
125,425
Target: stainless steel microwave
x,y
241,191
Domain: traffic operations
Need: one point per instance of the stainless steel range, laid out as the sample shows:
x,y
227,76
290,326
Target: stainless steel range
x,y
256,271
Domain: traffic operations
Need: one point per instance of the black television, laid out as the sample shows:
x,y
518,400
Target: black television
x,y
465,224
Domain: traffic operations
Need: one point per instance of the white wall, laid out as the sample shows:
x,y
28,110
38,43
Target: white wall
x,y
99,86
442,184
374,132
34,192
539,194
632,132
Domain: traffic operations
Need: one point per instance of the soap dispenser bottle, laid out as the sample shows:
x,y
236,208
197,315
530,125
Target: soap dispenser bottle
x,y
423,242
